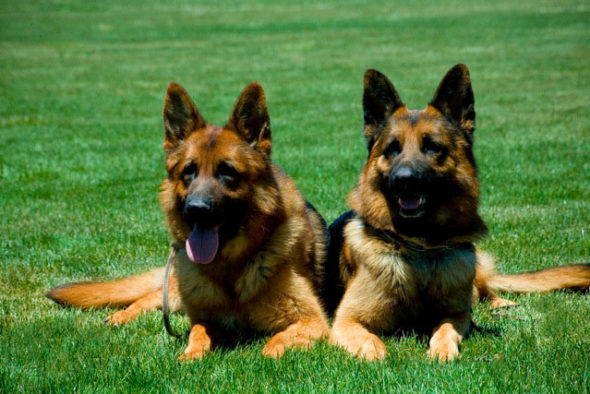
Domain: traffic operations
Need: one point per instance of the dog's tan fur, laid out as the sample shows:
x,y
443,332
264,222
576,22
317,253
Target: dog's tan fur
x,y
265,276
422,276
385,291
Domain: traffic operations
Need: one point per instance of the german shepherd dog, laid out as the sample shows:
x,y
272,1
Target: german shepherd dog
x,y
405,254
250,249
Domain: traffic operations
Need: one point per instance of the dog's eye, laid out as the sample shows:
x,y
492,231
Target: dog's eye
x,y
190,170
227,172
431,147
393,149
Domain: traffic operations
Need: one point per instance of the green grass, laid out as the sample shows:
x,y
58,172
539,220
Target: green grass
x,y
81,91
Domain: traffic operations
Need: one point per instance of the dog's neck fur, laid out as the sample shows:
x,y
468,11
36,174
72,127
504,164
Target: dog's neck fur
x,y
372,206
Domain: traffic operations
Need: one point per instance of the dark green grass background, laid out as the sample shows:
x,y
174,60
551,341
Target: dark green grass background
x,y
81,90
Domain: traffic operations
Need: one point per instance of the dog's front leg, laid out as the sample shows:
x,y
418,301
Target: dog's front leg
x,y
199,342
293,310
357,340
357,310
446,337
302,334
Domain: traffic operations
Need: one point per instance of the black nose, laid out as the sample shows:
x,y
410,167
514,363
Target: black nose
x,y
198,209
404,174
405,179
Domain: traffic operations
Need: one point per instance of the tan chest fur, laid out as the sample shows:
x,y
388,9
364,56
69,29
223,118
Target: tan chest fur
x,y
223,291
413,283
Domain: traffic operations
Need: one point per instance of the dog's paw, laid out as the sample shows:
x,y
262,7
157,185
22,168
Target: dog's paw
x,y
275,347
368,346
443,351
192,355
372,349
199,343
278,344
120,317
501,303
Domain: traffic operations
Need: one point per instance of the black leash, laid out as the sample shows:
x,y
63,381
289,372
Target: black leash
x,y
165,306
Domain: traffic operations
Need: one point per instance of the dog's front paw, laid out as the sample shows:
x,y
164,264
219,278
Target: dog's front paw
x,y
275,347
366,346
443,351
278,344
199,343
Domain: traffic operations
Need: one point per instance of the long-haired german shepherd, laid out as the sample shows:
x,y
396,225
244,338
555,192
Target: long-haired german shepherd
x,y
250,249
405,252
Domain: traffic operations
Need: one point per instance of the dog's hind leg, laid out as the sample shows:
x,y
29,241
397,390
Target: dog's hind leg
x,y
151,301
482,292
484,271
499,302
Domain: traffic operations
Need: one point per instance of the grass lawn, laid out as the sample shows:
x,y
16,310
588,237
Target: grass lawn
x,y
81,92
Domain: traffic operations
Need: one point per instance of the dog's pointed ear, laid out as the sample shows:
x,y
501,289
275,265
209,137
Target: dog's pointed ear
x,y
181,117
454,98
380,101
250,118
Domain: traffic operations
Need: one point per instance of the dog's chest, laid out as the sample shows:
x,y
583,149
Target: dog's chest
x,y
418,280
411,273
221,299
437,275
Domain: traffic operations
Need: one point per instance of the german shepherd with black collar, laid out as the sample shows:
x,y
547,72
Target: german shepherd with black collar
x,y
405,254
250,249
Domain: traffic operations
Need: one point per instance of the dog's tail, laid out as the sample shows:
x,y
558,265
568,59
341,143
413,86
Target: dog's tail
x,y
119,292
574,276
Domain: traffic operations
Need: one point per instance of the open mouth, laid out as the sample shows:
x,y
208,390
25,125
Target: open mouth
x,y
411,206
202,244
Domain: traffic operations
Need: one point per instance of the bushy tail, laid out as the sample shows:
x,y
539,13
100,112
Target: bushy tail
x,y
575,276
119,292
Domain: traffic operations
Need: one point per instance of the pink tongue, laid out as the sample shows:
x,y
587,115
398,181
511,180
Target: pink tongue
x,y
202,245
410,203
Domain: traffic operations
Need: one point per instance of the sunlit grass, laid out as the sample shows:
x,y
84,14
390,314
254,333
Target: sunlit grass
x,y
81,92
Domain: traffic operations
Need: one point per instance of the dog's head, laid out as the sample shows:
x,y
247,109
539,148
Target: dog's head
x,y
217,176
420,178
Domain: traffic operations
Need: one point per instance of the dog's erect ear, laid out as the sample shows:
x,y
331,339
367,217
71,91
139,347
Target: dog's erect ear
x,y
180,116
454,98
250,118
380,100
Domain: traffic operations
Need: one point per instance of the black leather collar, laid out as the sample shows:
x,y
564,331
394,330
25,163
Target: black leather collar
x,y
394,238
